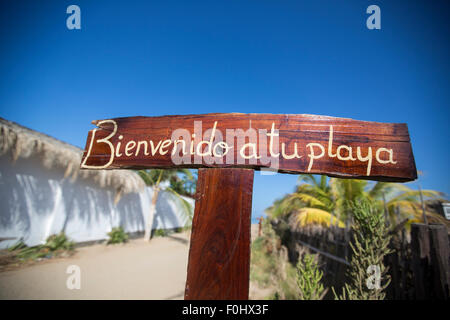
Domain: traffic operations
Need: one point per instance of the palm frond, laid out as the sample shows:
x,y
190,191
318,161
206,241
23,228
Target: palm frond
x,y
187,173
147,177
323,182
308,179
379,189
311,216
414,211
187,206
414,195
307,199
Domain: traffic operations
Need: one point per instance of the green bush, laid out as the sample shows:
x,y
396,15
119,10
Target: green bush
x,y
309,278
117,235
59,241
55,244
370,246
161,233
17,246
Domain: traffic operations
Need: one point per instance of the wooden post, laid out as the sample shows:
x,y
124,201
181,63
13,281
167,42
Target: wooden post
x,y
420,247
219,256
404,267
424,214
440,255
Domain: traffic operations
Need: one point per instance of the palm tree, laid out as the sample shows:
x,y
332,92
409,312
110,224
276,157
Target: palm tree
x,y
311,203
154,178
186,184
407,203
326,201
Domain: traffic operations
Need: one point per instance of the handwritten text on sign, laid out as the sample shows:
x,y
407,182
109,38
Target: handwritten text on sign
x,y
287,143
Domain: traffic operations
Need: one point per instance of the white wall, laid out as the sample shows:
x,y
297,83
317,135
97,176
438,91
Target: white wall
x,y
36,202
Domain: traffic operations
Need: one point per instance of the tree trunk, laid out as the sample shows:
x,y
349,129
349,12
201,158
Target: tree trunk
x,y
151,215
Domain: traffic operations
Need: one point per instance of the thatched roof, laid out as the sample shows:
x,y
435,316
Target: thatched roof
x,y
21,142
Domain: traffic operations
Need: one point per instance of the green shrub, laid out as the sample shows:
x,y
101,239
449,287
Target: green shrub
x,y
17,246
160,233
370,246
309,278
59,241
117,235
55,244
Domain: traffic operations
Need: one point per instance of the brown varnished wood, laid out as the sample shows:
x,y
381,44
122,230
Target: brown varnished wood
x,y
219,256
300,129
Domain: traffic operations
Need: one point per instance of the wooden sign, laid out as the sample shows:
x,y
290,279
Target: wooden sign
x,y
228,148
337,147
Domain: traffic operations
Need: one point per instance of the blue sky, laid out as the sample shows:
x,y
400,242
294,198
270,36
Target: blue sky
x,y
153,58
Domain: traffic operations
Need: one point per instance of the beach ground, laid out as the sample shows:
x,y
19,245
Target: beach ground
x,y
135,270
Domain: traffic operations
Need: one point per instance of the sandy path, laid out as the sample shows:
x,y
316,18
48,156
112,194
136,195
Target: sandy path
x,y
136,270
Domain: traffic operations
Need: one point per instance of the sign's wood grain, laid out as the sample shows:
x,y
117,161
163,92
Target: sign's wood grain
x,y
219,256
338,147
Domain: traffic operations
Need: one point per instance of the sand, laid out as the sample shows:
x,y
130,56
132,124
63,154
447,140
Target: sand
x,y
135,270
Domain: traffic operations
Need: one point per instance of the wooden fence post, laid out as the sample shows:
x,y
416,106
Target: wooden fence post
x,y
219,256
420,247
440,254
